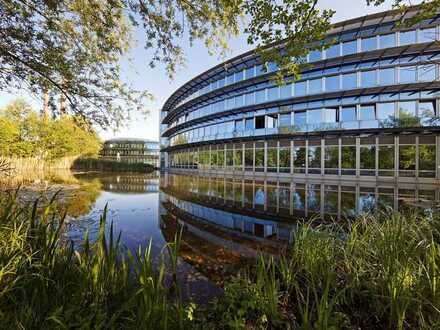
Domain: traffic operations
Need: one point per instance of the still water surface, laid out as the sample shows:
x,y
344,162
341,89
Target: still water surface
x,y
227,221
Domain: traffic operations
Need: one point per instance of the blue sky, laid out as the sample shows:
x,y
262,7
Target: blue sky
x,y
198,60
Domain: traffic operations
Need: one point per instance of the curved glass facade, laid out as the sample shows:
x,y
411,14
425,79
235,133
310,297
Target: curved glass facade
x,y
365,107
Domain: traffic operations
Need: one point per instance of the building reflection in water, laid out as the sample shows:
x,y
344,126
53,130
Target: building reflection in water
x,y
269,210
130,183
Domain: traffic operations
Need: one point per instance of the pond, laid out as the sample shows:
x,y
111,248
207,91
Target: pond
x,y
227,221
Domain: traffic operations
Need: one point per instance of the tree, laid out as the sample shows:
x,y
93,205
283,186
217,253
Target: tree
x,y
73,48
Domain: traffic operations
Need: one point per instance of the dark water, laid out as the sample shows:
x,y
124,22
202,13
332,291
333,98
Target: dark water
x,y
227,221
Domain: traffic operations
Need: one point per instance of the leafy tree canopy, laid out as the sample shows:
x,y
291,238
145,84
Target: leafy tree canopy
x,y
23,133
73,47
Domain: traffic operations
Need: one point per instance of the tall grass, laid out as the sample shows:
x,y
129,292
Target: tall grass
x,y
376,272
45,283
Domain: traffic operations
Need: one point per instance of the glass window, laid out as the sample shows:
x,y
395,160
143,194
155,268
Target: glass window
x,y
314,156
349,81
299,118
239,125
385,111
314,116
407,159
239,101
221,82
259,122
407,74
427,160
333,51
367,158
284,157
427,113
249,73
368,78
348,114
315,55
230,79
386,76
332,83
407,38
368,44
239,76
315,86
349,47
249,124
249,98
331,157
299,157
286,91
348,158
238,157
387,40
272,93
427,72
367,112
259,158
272,155
300,88
330,115
230,103
272,121
285,119
260,96
259,70
407,109
427,35
386,158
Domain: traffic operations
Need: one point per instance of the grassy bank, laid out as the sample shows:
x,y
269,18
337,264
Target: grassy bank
x,y
23,164
374,273
96,164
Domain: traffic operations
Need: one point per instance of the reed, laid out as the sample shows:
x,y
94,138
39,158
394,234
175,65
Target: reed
x,y
375,272
46,283
378,271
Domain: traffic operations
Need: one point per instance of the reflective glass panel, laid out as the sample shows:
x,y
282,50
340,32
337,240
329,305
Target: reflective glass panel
x,y
427,113
300,118
349,81
385,111
349,47
272,93
239,125
331,156
300,88
367,157
427,35
407,74
386,76
315,55
314,116
407,38
333,51
249,99
250,73
368,44
367,112
285,119
260,96
348,114
314,156
386,157
239,76
427,158
368,78
348,157
286,91
427,72
315,86
407,158
329,115
387,40
249,124
332,83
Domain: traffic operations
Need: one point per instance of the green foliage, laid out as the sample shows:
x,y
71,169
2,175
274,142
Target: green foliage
x,y
95,164
25,134
45,283
378,271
